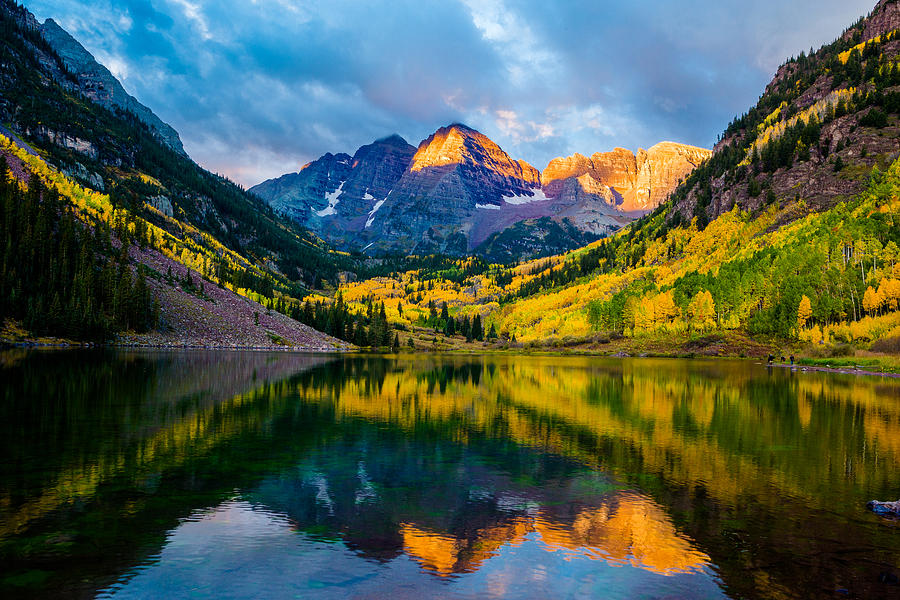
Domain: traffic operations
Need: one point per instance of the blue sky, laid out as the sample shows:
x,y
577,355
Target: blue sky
x,y
256,88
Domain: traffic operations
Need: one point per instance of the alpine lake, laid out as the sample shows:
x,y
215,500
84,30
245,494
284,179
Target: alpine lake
x,y
200,474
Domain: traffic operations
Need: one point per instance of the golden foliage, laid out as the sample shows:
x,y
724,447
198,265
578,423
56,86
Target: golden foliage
x,y
804,311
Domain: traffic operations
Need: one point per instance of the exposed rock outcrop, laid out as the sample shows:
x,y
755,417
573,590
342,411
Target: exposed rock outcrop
x,y
884,19
65,140
162,204
631,183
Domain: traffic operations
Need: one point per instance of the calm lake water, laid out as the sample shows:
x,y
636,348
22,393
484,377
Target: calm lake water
x,y
242,475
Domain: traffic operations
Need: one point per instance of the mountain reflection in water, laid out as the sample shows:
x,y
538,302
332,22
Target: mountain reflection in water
x,y
242,474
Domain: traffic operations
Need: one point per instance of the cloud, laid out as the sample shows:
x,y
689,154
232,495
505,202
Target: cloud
x,y
525,56
260,87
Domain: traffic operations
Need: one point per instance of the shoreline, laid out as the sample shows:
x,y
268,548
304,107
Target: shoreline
x,y
838,370
71,345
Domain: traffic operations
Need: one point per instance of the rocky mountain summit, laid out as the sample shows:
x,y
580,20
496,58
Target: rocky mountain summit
x,y
459,188
338,195
456,179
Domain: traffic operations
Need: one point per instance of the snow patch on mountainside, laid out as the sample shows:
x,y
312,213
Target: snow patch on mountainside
x,y
332,199
487,206
372,213
538,196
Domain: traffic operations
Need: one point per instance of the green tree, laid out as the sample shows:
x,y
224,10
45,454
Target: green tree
x,y
477,331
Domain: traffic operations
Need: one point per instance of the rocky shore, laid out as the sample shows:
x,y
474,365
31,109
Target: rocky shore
x,y
838,370
209,316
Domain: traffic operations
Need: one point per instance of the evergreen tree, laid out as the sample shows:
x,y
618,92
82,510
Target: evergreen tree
x,y
60,277
477,331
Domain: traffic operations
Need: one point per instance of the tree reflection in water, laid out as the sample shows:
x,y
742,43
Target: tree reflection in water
x,y
675,469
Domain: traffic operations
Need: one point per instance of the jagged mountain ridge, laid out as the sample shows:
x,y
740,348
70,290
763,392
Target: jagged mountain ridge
x,y
90,78
459,188
640,182
97,83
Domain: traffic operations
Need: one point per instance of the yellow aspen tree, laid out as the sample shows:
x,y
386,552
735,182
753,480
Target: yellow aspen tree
x,y
815,335
883,294
665,309
892,293
644,313
629,312
870,300
804,311
891,254
702,310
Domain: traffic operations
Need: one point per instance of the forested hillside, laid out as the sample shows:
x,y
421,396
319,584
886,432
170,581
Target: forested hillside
x,y
75,265
115,152
823,122
52,276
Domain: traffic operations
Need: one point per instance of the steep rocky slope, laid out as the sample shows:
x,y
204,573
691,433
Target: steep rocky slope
x,y
459,192
820,126
96,82
316,180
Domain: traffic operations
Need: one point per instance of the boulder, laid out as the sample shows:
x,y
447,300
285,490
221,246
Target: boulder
x,y
884,508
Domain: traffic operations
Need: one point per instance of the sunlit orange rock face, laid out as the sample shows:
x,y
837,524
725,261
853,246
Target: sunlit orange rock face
x,y
461,145
636,183
455,178
460,167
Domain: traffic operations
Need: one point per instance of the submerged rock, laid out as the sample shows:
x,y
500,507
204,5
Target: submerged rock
x,y
884,508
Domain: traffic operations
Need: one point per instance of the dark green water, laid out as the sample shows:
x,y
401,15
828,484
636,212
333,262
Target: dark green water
x,y
244,475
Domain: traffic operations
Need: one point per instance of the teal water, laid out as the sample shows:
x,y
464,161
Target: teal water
x,y
245,475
